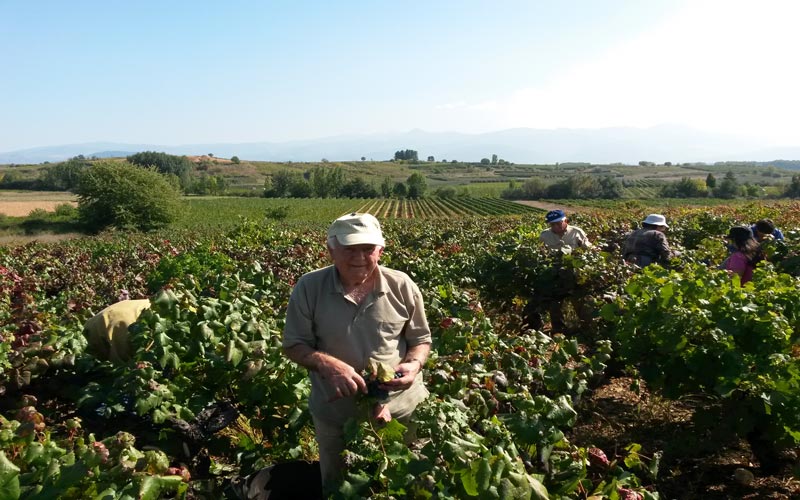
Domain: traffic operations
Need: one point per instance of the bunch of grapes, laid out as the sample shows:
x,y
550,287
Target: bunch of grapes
x,y
373,386
375,374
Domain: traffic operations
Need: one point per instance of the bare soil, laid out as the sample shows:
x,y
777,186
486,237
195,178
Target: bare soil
x,y
696,464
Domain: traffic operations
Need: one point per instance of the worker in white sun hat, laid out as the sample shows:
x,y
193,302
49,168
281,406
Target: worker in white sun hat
x,y
648,244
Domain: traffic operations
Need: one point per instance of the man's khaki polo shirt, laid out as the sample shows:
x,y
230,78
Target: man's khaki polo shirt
x,y
573,236
107,332
382,327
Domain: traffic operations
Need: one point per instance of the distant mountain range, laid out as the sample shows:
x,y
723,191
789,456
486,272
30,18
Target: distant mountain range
x,y
662,143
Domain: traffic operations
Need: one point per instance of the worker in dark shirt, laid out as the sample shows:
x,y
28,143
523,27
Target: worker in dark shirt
x,y
648,245
765,228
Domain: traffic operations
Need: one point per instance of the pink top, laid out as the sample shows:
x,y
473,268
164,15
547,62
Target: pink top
x,y
739,264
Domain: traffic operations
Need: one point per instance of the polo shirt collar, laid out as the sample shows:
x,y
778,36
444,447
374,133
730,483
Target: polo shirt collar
x,y
381,286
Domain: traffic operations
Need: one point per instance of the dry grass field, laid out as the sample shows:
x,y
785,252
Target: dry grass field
x,y
22,203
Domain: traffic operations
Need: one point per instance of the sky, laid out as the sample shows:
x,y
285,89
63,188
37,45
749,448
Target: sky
x,y
188,72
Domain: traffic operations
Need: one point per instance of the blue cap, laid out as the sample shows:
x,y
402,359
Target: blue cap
x,y
555,216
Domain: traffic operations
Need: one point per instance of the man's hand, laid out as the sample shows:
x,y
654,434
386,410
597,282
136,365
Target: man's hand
x,y
381,413
342,379
408,372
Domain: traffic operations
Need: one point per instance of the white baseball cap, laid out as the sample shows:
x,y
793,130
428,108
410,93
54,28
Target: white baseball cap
x,y
357,229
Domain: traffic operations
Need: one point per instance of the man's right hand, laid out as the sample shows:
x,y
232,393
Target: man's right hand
x,y
342,378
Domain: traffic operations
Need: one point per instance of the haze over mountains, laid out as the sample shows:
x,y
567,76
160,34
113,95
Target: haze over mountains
x,y
662,143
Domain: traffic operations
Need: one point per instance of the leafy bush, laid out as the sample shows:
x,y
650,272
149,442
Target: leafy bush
x,y
201,262
66,210
698,330
126,197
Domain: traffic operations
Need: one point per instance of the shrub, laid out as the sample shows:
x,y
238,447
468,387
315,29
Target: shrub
x,y
66,210
126,197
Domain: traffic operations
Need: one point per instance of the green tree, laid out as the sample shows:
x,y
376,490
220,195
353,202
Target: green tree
x,y
610,188
125,196
711,181
485,161
408,154
684,188
445,192
532,189
793,189
286,184
235,160
11,177
399,190
358,188
214,185
417,185
326,182
494,159
280,183
728,187
752,190
180,166
431,158
62,176
386,187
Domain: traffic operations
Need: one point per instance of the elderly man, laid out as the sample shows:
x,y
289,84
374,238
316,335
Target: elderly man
x,y
648,244
343,315
561,234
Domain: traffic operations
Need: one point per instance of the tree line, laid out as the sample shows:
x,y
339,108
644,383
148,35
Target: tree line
x,y
727,188
411,155
575,187
606,187
326,182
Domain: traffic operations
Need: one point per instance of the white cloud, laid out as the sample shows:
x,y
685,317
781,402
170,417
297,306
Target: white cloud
x,y
484,106
719,65
451,105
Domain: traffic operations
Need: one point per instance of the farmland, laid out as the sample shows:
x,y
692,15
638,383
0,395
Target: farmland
x,y
22,203
201,213
514,404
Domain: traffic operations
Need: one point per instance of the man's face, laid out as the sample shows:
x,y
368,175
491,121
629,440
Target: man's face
x,y
559,227
355,263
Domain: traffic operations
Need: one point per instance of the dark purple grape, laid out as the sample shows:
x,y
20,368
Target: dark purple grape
x,y
374,390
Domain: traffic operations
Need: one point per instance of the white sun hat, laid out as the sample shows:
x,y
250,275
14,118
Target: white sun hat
x,y
656,220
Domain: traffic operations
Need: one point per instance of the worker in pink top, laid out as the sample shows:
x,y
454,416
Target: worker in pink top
x,y
747,253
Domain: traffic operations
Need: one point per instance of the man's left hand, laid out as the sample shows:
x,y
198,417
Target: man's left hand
x,y
408,372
